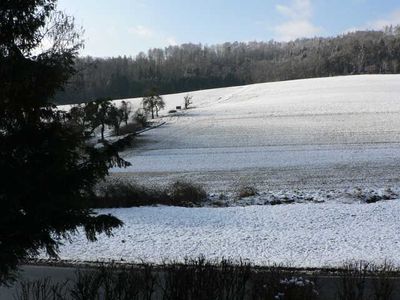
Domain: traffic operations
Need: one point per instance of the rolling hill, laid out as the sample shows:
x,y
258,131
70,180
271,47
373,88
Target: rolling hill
x,y
323,133
332,139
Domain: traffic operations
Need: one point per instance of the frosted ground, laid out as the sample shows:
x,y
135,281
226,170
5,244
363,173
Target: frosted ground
x,y
328,133
301,235
331,140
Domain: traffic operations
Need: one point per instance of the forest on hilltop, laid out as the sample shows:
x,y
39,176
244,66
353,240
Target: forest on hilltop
x,y
191,67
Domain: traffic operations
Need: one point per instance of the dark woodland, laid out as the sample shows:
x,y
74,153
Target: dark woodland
x,y
191,67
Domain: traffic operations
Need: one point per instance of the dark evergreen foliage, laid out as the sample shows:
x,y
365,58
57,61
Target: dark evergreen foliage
x,y
192,67
48,170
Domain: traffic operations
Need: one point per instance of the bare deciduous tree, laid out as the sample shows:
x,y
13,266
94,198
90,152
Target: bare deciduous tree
x,y
153,103
188,101
126,110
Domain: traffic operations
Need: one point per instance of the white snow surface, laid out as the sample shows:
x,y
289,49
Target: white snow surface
x,y
320,139
334,132
301,235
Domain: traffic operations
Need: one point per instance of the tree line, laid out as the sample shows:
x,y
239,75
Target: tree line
x,y
101,113
191,67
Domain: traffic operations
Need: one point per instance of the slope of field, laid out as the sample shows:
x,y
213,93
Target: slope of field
x,y
335,132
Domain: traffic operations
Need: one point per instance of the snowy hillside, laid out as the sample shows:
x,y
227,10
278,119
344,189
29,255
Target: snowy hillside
x,y
325,133
323,139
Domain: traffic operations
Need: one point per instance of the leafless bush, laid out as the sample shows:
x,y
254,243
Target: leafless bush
x,y
140,117
86,285
352,284
121,194
277,282
185,193
129,195
199,279
130,128
246,191
42,290
383,285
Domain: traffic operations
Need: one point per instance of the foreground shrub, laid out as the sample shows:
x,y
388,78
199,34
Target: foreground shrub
x,y
352,284
296,288
383,285
87,285
186,194
199,279
42,289
114,282
196,279
280,283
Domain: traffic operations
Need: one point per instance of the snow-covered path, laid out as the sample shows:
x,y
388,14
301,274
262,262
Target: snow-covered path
x,y
304,235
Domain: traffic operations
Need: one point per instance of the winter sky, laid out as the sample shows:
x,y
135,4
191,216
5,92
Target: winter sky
x,y
126,27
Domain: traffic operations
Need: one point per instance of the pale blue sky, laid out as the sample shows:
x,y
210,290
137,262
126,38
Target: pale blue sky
x,y
126,27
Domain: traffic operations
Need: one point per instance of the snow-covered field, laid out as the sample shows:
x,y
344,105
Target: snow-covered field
x,y
302,235
320,139
335,133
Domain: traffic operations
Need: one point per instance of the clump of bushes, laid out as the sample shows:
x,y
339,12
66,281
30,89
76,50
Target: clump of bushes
x,y
187,193
371,196
130,128
354,276
383,285
140,118
122,194
296,288
277,282
199,279
352,283
114,282
195,279
42,289
246,191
